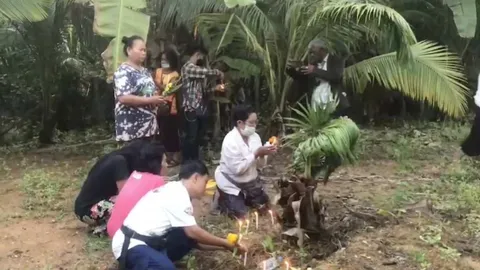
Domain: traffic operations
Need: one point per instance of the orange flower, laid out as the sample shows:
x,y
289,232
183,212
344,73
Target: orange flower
x,y
273,140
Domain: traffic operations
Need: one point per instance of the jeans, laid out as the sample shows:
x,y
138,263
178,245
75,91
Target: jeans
x,y
195,131
146,258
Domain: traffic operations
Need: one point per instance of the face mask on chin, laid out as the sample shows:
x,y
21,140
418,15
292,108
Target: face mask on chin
x,y
165,64
247,131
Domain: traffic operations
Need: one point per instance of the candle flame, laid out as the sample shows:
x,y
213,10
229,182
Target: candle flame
x,y
287,265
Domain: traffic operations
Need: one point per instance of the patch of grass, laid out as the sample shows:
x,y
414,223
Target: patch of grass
x,y
96,244
44,190
421,259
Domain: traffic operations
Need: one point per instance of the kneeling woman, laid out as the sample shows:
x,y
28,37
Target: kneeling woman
x,y
237,176
96,199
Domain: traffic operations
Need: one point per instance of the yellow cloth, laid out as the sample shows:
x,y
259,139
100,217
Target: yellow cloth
x,y
163,79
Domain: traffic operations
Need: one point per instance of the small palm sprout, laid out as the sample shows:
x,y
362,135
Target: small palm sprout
x,y
321,144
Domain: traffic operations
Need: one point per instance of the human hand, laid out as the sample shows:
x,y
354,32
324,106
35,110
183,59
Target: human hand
x,y
265,150
156,100
294,64
242,249
308,69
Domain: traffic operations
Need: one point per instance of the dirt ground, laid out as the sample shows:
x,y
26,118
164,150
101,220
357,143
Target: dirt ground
x,y
393,207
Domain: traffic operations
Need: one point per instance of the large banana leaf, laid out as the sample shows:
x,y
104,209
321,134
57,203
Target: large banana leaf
x,y
435,75
119,18
465,15
24,10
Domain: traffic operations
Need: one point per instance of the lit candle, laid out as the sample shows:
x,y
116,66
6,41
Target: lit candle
x,y
256,220
240,223
264,265
248,225
245,259
271,216
287,265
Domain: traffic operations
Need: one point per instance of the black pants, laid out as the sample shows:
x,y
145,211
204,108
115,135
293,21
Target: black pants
x,y
471,145
195,131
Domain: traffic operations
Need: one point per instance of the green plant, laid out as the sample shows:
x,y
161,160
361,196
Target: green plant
x,y
320,143
118,19
44,191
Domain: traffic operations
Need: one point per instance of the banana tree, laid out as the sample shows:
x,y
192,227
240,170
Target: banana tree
x,y
117,19
465,15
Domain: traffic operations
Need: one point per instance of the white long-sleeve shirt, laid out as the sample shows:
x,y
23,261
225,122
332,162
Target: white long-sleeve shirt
x,y
477,94
237,161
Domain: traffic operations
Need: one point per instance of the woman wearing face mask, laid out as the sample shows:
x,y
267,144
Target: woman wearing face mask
x,y
135,97
237,177
167,77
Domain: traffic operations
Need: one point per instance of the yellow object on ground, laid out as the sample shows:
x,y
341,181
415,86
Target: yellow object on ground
x,y
210,188
232,238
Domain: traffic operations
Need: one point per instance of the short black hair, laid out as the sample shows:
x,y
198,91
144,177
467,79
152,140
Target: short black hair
x,y
197,48
143,156
128,42
241,112
191,167
172,58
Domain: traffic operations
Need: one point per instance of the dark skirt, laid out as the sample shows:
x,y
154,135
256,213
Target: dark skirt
x,y
471,145
169,133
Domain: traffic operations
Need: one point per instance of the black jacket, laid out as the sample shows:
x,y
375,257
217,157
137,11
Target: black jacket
x,y
333,74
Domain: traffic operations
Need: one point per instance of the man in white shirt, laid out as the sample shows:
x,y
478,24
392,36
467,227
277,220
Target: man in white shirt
x,y
237,176
161,228
471,145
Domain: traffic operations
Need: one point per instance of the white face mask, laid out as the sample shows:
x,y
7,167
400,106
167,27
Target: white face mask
x,y
165,64
247,131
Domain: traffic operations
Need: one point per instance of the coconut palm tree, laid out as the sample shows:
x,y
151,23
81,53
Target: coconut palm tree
x,y
280,30
28,10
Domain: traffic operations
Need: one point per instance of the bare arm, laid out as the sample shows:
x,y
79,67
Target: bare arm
x,y
194,71
136,101
206,239
209,248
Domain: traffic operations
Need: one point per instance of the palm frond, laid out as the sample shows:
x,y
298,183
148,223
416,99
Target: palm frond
x,y
25,10
317,139
378,15
434,75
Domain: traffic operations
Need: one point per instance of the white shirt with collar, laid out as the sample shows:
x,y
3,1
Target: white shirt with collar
x,y
476,98
237,161
322,94
157,211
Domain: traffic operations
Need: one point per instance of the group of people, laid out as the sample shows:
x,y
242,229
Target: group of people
x,y
151,221
144,112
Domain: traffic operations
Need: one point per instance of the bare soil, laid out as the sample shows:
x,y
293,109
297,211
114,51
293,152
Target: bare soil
x,y
50,237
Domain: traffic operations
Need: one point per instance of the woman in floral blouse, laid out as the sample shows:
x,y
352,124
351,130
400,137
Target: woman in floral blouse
x,y
135,97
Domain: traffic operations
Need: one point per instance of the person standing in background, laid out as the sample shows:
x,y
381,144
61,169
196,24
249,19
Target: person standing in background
x,y
166,77
135,99
321,77
196,95
471,145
